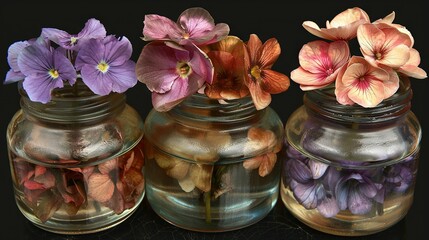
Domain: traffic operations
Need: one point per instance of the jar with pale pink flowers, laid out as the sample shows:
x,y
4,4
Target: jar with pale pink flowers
x,y
212,141
351,151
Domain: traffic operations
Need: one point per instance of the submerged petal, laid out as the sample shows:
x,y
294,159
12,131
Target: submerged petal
x,y
358,203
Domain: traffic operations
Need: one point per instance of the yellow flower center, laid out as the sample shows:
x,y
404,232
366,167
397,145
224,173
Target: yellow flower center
x,y
103,67
186,35
378,56
53,73
183,69
73,40
255,72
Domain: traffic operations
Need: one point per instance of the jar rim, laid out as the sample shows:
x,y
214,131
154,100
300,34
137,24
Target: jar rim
x,y
323,102
73,104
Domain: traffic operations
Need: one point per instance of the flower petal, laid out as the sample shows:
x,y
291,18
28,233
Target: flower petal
x,y
156,67
261,99
314,29
200,26
118,51
100,187
96,80
57,36
39,87
12,76
317,168
274,82
64,67
180,89
122,77
253,46
328,207
92,29
371,39
35,59
308,80
397,57
267,164
13,52
358,203
157,27
92,53
252,163
299,171
269,53
305,194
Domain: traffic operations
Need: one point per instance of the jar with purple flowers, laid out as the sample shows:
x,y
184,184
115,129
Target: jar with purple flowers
x,y
75,148
351,170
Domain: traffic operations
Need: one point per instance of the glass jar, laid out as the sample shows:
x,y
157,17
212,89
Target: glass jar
x,y
76,161
350,170
212,166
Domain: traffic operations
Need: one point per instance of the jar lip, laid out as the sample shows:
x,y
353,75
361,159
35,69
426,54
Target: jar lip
x,y
72,104
199,107
324,102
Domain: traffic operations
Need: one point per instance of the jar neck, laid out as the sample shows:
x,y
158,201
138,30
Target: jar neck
x,y
200,108
322,102
73,104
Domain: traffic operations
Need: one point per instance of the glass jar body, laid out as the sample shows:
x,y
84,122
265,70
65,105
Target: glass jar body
x,y
348,170
77,161
212,167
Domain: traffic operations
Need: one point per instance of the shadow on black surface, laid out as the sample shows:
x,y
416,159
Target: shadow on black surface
x,y
145,224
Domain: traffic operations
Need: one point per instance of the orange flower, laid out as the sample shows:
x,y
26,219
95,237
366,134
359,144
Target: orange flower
x,y
227,57
261,140
259,78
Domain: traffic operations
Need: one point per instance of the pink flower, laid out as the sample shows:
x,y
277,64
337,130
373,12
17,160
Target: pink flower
x,y
259,78
382,44
342,27
410,68
119,182
172,72
362,83
320,62
194,25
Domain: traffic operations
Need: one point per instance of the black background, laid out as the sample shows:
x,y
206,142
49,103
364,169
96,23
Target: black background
x,y
22,21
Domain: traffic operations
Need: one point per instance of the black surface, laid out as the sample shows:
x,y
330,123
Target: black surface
x,y
21,21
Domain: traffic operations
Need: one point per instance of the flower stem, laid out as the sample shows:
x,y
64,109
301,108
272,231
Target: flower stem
x,y
207,201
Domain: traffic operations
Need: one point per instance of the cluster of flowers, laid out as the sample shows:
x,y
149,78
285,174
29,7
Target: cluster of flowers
x,y
387,50
57,57
196,55
117,184
316,185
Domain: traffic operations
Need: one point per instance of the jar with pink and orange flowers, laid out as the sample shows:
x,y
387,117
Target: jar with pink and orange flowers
x,y
351,151
75,148
211,142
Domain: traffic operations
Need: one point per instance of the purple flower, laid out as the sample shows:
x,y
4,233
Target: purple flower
x,y
14,74
172,72
105,65
356,192
194,25
93,29
311,183
44,70
400,176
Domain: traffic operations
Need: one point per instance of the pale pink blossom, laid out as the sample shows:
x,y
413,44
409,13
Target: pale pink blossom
x,y
382,44
342,27
410,68
320,62
362,83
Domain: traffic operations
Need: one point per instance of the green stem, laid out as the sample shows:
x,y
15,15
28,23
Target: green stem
x,y
207,201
